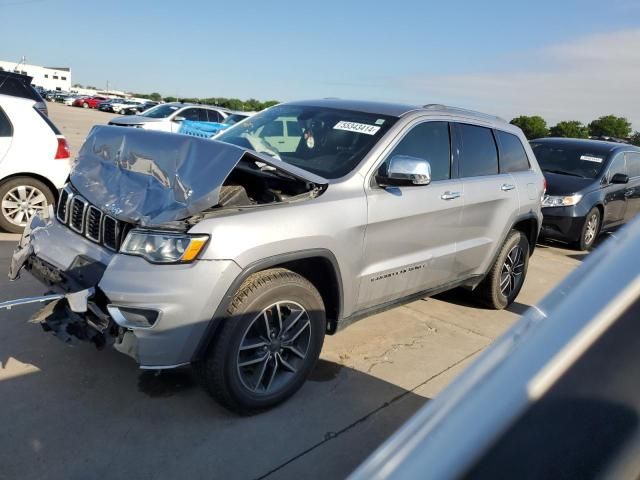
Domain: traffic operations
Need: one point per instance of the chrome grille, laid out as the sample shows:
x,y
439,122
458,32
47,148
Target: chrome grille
x,y
77,208
80,216
94,224
63,205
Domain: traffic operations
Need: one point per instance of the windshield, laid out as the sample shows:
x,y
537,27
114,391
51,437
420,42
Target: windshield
x,y
573,160
325,141
160,111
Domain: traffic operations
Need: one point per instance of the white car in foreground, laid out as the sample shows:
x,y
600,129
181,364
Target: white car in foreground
x,y
34,162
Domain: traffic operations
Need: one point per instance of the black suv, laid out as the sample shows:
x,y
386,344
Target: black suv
x,y
18,85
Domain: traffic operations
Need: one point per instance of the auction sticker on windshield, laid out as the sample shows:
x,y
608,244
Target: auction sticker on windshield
x,y
357,127
589,158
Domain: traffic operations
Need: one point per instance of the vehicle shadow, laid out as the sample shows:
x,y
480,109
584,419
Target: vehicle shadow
x,y
68,411
465,298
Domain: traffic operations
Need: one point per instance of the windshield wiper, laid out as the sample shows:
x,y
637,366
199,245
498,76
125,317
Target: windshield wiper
x,y
564,172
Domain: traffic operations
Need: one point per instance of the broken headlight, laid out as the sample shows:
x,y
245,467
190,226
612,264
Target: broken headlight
x,y
164,247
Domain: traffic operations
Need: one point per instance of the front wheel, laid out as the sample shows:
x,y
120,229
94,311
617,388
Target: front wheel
x,y
590,230
268,344
85,105
21,199
504,281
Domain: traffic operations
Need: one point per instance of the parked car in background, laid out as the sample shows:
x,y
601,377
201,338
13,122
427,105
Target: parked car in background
x,y
89,102
18,85
69,99
168,116
116,105
593,186
137,108
376,204
34,162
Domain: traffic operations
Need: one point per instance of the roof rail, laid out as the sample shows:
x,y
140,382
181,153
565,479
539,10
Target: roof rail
x,y
462,111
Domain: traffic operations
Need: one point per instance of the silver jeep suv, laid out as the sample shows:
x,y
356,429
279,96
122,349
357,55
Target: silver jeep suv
x,y
237,255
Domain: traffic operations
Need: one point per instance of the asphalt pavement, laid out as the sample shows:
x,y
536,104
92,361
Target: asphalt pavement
x,y
72,412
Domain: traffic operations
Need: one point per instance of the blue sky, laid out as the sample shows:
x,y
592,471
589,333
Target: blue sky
x,y
506,57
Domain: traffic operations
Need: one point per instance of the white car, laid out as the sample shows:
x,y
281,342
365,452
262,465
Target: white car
x,y
34,162
168,116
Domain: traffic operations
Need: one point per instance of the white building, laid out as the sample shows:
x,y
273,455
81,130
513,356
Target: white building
x,y
49,78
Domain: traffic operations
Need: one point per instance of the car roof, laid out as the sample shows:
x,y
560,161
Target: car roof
x,y
401,109
186,104
601,146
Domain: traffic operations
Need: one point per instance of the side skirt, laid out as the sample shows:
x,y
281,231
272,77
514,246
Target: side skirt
x,y
471,280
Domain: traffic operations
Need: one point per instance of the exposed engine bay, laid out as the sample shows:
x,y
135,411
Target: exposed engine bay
x,y
255,183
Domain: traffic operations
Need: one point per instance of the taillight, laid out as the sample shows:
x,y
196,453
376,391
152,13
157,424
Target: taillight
x,y
545,184
63,152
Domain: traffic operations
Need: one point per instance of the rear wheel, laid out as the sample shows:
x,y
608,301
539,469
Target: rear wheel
x,y
21,199
590,230
269,343
85,105
504,281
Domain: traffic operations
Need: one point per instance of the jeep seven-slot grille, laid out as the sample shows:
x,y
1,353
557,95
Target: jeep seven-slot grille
x,y
83,218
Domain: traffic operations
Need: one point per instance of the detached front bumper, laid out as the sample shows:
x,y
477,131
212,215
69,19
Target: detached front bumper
x,y
158,314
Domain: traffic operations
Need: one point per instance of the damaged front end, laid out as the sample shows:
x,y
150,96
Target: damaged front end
x,y
103,252
75,310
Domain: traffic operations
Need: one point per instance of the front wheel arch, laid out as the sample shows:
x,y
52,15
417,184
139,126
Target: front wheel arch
x,y
312,264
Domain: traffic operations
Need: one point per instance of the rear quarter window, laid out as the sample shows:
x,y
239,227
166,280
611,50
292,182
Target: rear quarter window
x,y
513,157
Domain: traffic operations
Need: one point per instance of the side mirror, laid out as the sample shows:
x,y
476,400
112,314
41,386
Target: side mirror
x,y
620,178
404,170
178,119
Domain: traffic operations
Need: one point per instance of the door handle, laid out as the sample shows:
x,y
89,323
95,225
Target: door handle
x,y
506,187
450,195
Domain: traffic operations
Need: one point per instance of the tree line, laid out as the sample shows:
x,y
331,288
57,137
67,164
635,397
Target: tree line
x,y
250,105
606,126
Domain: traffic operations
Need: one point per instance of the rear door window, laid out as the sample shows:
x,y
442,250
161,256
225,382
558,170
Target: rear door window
x,y
513,157
214,116
192,114
6,129
633,164
478,151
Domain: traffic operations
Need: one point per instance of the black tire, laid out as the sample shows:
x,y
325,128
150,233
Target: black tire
x,y
11,185
491,291
221,372
589,233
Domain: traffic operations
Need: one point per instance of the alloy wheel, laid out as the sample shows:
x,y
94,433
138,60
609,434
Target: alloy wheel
x,y
591,230
512,270
22,203
274,347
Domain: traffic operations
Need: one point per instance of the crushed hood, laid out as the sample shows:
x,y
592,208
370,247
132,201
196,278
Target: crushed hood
x,y
151,178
